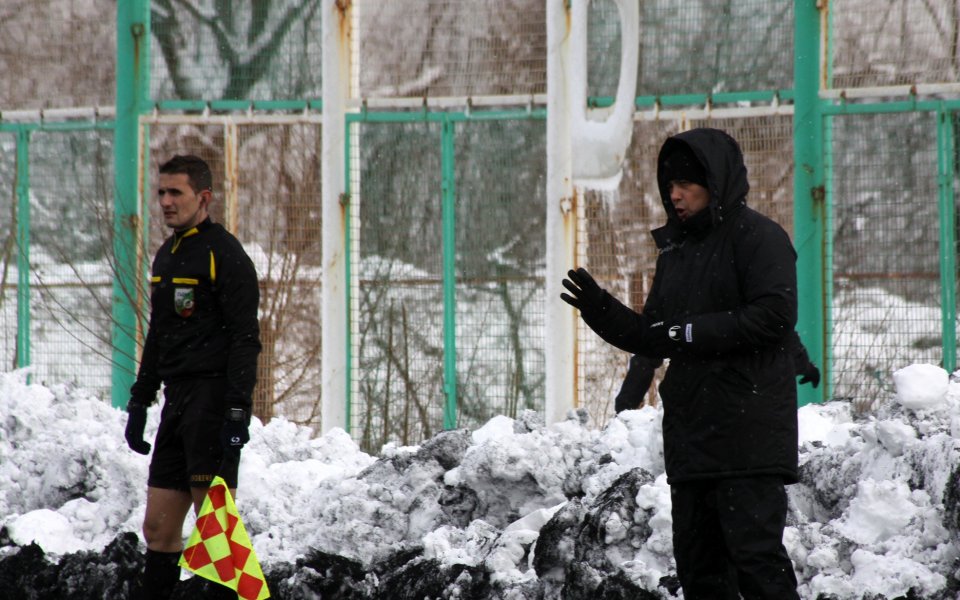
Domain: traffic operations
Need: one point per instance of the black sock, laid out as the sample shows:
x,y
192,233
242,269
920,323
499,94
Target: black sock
x,y
160,573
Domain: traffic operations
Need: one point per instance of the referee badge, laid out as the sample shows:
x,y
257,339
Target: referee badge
x,y
183,301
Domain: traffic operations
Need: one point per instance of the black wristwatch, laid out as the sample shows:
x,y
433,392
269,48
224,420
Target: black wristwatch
x,y
236,414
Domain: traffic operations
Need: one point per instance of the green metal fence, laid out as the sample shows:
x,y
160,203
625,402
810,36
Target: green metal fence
x,y
891,246
445,302
846,111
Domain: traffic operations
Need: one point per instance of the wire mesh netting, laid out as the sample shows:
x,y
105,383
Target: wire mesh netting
x,y
9,249
399,336
417,48
43,45
499,270
885,308
397,297
894,42
211,50
71,221
710,46
269,198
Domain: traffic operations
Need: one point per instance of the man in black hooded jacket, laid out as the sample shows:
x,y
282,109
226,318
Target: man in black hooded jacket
x,y
722,309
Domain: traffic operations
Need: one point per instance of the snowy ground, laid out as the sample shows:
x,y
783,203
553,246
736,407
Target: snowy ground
x,y
512,510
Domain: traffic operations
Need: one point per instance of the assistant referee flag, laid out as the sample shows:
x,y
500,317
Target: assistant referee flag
x,y
219,548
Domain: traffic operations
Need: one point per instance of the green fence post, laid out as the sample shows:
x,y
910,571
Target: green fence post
x,y
948,240
23,247
809,192
449,275
133,33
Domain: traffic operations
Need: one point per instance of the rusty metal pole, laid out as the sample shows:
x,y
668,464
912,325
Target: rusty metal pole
x,y
560,323
335,311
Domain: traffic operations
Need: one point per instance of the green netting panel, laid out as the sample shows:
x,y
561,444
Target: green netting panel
x,y
8,252
614,244
271,202
767,145
397,301
71,221
702,46
57,53
279,223
887,42
415,48
885,305
212,50
500,287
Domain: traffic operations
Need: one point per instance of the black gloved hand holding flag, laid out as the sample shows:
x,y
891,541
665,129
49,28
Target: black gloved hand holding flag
x,y
235,430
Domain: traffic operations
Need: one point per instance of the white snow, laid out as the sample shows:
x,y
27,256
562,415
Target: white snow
x,y
869,517
921,385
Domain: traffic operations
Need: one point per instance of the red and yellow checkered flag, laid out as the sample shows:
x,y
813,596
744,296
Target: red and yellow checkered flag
x,y
219,548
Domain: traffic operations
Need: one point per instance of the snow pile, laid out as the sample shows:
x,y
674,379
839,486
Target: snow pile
x,y
514,509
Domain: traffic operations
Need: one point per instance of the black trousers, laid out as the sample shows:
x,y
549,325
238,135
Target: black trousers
x,y
728,539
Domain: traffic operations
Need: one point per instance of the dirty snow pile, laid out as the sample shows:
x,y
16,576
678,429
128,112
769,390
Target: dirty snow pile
x,y
514,509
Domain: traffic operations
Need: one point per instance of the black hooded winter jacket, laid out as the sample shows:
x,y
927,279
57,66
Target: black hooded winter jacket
x,y
727,278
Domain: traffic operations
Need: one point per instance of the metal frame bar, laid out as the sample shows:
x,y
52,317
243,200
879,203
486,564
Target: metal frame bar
x,y
133,89
809,211
948,237
448,210
23,247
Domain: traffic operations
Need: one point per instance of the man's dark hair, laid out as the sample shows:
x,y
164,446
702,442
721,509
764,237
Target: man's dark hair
x,y
195,168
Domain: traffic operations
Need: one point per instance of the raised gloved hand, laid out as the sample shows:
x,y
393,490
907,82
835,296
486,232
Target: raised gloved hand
x,y
809,374
136,423
588,297
235,432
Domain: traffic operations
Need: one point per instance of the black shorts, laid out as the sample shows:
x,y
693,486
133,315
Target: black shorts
x,y
187,451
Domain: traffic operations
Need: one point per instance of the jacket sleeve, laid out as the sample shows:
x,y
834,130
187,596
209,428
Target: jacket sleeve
x,y
238,294
624,328
637,382
766,267
144,389
801,360
619,325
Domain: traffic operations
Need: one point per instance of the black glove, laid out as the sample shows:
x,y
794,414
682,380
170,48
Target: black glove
x,y
136,422
234,433
810,374
589,298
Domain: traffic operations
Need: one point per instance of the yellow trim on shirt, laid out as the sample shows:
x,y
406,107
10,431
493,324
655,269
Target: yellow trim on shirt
x,y
213,268
186,280
178,239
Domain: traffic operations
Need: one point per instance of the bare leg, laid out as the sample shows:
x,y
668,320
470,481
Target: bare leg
x,y
163,521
